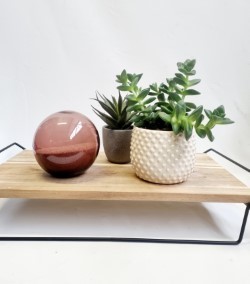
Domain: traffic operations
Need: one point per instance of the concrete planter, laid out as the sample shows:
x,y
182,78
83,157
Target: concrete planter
x,y
116,145
162,156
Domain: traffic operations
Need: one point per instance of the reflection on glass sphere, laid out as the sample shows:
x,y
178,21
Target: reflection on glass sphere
x,y
66,144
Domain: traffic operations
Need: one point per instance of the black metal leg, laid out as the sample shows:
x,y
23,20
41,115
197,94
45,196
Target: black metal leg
x,y
243,225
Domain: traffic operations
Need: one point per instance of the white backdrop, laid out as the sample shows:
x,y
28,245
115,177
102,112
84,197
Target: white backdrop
x,y
54,55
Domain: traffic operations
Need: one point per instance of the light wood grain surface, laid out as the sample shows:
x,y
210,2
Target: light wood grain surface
x,y
21,177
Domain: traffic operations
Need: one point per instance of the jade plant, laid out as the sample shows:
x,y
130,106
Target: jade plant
x,y
165,106
114,113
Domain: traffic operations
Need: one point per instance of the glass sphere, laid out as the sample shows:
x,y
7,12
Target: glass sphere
x,y
66,144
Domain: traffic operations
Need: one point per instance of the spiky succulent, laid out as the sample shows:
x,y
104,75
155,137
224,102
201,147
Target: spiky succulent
x,y
114,113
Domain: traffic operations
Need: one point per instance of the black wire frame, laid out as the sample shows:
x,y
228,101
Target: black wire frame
x,y
11,145
136,240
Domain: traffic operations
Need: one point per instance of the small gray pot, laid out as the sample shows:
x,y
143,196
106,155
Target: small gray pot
x,y
116,145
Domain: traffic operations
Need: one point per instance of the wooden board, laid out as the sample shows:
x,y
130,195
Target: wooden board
x,y
21,177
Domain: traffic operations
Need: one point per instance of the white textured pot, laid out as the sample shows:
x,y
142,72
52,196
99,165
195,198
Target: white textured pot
x,y
161,156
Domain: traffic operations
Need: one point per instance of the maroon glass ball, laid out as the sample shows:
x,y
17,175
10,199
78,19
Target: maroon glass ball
x,y
66,144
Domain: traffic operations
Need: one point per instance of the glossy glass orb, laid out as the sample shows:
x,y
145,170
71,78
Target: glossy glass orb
x,y
66,144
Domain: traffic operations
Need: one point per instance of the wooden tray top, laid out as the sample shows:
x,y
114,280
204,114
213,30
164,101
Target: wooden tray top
x,y
21,177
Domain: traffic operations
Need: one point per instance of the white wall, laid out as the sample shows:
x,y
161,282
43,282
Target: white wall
x,y
55,54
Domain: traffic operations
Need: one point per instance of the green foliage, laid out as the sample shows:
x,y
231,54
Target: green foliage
x,y
114,113
164,106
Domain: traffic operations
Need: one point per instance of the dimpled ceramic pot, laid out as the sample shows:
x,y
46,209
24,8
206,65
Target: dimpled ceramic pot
x,y
66,144
161,156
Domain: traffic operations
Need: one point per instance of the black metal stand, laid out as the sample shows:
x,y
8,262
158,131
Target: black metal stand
x,y
138,240
13,144
227,158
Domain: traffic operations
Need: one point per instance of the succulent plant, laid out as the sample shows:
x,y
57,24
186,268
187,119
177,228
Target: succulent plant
x,y
114,113
164,106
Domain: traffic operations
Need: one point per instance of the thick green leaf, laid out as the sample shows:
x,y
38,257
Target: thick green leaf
x,y
132,98
130,77
211,123
131,102
152,94
165,117
167,110
219,111
180,109
134,77
201,132
174,97
222,120
182,70
199,120
135,107
162,104
190,105
195,114
209,134
208,113
171,83
149,100
181,76
188,127
135,81
189,64
175,125
164,88
180,82
154,87
193,82
139,76
161,97
180,65
124,88
123,76
191,73
143,94
190,92
152,116
147,110
118,78
178,89
136,119
140,123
